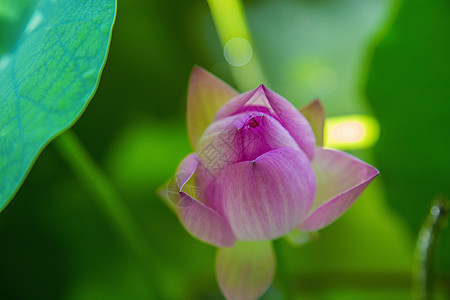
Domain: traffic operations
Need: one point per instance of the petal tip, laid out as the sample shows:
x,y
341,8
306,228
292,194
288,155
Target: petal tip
x,y
314,112
197,70
344,178
317,102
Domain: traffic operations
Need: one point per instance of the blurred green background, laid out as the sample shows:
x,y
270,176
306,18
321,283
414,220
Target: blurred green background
x,y
379,57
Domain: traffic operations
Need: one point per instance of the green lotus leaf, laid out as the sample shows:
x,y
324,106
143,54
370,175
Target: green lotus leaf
x,y
50,65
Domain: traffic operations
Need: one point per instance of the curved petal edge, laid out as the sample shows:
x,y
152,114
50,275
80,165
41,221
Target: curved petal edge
x,y
265,198
199,220
204,223
294,122
341,178
266,100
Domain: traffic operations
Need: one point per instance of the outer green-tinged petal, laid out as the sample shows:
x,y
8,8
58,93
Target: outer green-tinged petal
x,y
198,219
206,95
341,178
246,270
265,198
315,114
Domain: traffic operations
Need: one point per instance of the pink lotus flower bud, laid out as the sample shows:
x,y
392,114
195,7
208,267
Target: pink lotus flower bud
x,y
257,174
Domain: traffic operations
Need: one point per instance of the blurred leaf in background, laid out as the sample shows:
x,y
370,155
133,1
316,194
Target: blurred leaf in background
x,y
410,92
14,15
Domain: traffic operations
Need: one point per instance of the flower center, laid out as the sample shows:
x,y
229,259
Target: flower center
x,y
253,121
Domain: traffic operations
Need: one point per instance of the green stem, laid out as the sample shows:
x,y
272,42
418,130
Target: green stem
x,y
103,191
229,19
425,249
285,282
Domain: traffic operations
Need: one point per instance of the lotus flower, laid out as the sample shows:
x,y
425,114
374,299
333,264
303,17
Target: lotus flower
x,y
258,172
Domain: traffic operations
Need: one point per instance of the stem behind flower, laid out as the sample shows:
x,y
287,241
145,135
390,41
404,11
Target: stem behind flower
x,y
425,248
229,19
109,200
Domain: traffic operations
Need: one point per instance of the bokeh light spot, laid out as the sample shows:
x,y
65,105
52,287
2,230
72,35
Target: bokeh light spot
x,y
238,52
351,132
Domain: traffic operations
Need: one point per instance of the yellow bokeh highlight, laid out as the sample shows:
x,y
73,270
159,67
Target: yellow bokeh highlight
x,y
351,132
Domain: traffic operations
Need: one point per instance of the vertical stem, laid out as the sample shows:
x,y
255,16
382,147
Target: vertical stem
x,y
425,249
229,19
107,197
285,282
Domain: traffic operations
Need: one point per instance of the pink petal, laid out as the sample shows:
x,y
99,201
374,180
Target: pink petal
x,y
265,100
246,270
198,219
267,197
217,148
241,137
233,106
204,223
262,133
206,95
293,121
341,178
315,114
